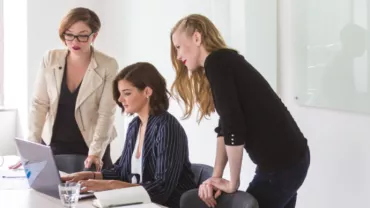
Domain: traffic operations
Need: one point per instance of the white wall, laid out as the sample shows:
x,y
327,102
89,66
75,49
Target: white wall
x,y
339,141
8,120
144,35
140,31
15,56
1,52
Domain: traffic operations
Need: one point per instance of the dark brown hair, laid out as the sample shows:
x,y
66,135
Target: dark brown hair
x,y
195,89
142,75
85,15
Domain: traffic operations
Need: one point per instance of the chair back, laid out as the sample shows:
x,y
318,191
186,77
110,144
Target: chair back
x,y
70,163
201,172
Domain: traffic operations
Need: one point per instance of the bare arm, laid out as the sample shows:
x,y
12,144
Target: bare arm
x,y
235,155
221,158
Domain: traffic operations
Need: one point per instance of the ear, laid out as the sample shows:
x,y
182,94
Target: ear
x,y
197,38
148,91
94,36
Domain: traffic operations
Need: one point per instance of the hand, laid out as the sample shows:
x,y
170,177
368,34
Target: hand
x,y
205,193
225,185
16,166
76,177
103,185
95,185
92,159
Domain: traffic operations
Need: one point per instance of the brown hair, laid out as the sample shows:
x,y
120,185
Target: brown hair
x,y
85,15
141,75
195,88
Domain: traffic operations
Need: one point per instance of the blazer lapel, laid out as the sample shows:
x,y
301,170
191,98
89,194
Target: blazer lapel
x,y
129,149
149,140
57,77
90,83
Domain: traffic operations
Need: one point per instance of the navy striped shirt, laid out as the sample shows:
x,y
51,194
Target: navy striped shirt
x,y
166,169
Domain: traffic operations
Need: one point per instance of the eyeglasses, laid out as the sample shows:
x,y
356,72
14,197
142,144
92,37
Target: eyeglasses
x,y
80,38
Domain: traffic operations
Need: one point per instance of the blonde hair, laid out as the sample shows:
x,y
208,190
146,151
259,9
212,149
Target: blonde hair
x,y
195,88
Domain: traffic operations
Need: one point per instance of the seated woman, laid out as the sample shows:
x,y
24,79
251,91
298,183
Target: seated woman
x,y
156,154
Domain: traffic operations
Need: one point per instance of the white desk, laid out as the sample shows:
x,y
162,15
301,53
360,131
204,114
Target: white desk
x,y
29,198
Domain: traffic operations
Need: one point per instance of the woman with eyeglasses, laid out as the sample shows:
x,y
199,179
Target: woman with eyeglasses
x,y
72,107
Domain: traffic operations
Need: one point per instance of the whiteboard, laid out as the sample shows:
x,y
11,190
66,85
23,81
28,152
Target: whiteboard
x,y
331,54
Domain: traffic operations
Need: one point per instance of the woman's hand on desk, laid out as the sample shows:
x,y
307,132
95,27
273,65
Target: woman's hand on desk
x,y
103,185
79,176
16,166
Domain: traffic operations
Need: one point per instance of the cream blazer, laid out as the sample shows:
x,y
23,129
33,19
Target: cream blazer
x,y
95,107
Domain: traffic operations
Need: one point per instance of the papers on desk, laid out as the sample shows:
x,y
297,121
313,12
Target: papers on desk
x,y
13,180
125,197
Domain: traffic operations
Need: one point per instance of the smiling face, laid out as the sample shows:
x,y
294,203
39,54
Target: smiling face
x,y
188,48
79,37
132,99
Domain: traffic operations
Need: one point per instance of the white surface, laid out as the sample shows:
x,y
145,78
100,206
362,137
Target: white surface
x,y
8,123
136,162
122,196
339,141
28,198
332,69
7,180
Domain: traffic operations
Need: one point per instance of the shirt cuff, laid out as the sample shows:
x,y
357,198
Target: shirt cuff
x,y
232,139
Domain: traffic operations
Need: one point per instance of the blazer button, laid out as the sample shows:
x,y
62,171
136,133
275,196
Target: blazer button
x,y
60,68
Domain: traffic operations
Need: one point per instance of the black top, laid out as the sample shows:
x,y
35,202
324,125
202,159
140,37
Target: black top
x,y
166,169
251,113
67,138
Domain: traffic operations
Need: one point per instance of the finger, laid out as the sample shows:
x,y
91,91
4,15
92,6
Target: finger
x,y
66,178
98,165
15,166
217,194
204,196
209,197
87,163
83,189
200,191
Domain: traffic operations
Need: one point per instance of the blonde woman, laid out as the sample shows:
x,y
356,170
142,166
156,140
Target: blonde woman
x,y
73,108
252,117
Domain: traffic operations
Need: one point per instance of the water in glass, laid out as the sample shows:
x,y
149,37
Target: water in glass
x,y
69,193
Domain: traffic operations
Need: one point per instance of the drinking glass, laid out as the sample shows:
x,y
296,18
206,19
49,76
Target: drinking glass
x,y
69,193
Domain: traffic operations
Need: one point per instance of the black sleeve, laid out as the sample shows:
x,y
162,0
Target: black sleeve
x,y
218,129
220,73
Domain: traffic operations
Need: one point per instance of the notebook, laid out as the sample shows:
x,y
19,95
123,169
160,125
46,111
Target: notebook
x,y
126,197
